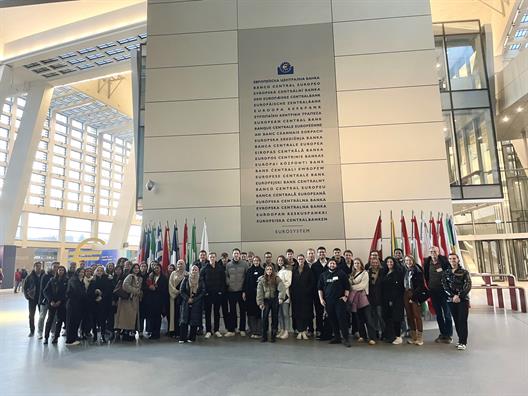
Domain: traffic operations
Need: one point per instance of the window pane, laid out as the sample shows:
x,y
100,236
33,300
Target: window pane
x,y
477,150
42,234
451,151
43,221
465,60
74,224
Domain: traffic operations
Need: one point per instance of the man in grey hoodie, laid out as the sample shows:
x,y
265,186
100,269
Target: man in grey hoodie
x,y
235,277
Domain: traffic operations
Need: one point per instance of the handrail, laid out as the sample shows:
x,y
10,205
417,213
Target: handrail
x,y
512,287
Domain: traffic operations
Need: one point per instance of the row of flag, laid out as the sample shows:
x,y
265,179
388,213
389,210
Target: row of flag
x,y
438,232
158,245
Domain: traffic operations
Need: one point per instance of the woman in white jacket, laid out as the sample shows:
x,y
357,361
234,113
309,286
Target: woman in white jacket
x,y
285,274
359,282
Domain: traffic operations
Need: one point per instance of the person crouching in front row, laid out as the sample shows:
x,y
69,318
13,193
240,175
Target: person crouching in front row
x,y
270,295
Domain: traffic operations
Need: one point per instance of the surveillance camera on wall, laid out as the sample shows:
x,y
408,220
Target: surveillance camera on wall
x,y
150,186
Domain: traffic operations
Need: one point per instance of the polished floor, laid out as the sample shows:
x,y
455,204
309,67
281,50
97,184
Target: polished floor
x,y
495,363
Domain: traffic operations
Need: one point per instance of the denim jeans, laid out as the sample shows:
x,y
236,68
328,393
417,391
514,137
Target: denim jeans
x,y
284,317
443,314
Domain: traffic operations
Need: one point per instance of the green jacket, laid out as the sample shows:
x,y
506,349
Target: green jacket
x,y
268,291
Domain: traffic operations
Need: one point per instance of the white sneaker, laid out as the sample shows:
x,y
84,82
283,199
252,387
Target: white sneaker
x,y
299,336
208,334
229,334
73,343
280,333
242,334
461,347
284,335
181,342
397,341
305,336
254,336
218,334
40,336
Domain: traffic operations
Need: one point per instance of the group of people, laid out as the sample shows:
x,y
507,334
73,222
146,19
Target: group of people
x,y
345,297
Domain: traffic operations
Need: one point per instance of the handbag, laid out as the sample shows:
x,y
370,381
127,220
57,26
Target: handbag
x,y
120,292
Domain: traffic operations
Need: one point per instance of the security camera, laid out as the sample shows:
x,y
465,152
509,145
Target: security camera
x,y
150,185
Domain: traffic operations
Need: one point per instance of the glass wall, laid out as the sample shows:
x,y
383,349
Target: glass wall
x,y
76,179
469,129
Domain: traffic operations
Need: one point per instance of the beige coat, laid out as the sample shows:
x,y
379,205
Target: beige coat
x,y
126,317
175,280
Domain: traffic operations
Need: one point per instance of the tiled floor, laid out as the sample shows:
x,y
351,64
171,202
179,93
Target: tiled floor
x,y
496,363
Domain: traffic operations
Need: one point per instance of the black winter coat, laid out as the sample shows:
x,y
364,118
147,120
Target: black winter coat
x,y
104,286
457,282
76,295
392,295
250,288
191,313
214,278
56,290
317,269
43,283
374,294
301,293
419,292
155,301
32,286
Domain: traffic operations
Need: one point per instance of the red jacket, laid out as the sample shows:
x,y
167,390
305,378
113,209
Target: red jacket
x,y
18,276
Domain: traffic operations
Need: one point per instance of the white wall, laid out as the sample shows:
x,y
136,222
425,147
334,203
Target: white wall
x,y
392,149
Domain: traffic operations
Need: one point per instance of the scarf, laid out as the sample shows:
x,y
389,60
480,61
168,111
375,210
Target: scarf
x,y
87,281
194,278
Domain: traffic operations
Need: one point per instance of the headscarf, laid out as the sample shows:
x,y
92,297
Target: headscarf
x,y
194,279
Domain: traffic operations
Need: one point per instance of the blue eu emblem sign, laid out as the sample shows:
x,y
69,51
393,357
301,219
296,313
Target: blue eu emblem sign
x,y
285,68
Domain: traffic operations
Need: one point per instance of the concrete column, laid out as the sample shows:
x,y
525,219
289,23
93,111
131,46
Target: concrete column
x,y
5,83
20,164
126,207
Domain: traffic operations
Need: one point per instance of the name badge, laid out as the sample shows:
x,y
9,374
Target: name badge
x,y
439,270
255,273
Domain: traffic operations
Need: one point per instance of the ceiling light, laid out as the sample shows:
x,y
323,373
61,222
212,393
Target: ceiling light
x,y
498,221
505,119
438,65
519,109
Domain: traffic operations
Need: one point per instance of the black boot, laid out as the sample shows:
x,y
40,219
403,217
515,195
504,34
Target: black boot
x,y
273,336
264,337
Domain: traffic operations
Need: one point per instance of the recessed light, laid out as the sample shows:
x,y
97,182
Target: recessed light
x,y
505,119
519,109
438,65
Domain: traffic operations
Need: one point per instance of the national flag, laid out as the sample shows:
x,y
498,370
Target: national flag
x,y
376,243
426,238
194,246
159,244
434,234
416,242
165,256
405,236
204,243
141,245
457,249
393,235
175,255
146,248
450,234
152,244
184,243
444,251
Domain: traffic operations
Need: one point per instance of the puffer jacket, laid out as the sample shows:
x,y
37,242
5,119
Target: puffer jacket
x,y
236,275
265,291
457,282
